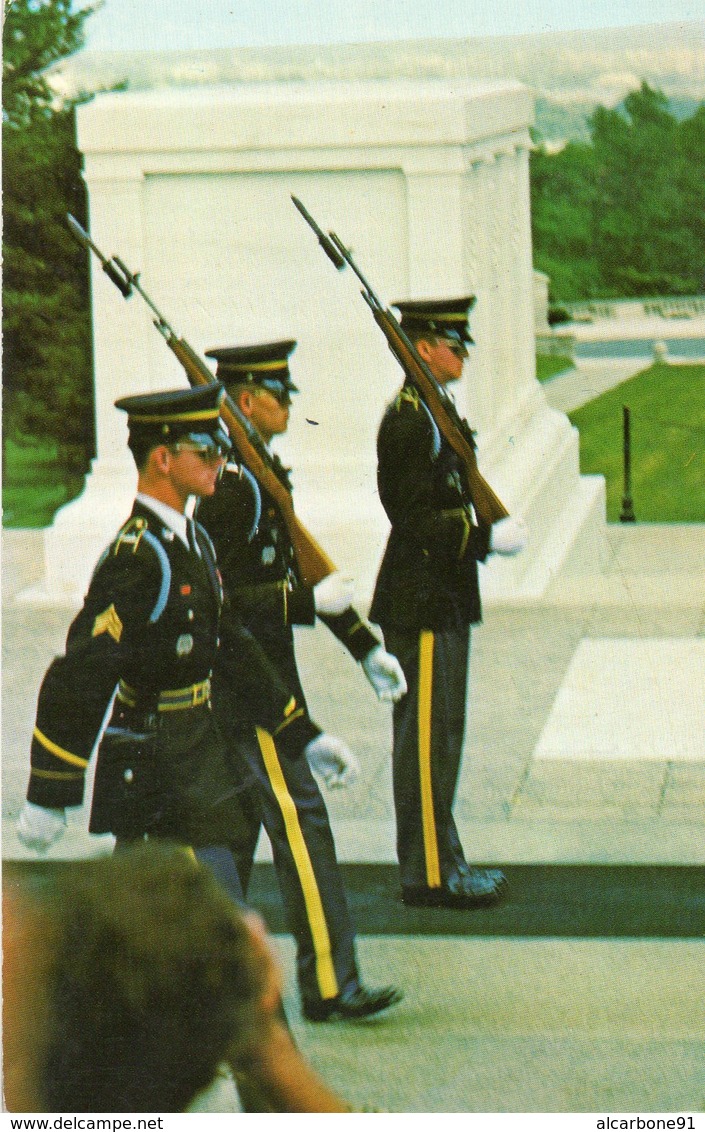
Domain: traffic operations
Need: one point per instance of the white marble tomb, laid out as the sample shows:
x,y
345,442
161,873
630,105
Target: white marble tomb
x,y
427,182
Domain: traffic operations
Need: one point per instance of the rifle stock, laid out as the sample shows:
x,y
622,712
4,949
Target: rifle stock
x,y
312,561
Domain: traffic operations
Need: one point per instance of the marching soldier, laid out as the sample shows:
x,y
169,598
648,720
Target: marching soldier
x,y
261,579
426,598
148,631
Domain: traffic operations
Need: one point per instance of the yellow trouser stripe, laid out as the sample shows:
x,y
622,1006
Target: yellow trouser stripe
x,y
60,753
325,971
428,818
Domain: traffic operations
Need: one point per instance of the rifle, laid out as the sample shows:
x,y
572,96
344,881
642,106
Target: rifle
x,y
488,506
312,561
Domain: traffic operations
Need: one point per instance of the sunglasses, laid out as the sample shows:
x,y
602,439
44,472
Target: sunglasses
x,y
209,453
455,346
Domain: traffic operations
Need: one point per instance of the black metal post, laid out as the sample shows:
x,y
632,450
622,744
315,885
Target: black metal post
x,y
627,513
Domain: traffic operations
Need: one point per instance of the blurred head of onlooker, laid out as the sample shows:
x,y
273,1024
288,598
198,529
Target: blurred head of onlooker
x,y
128,986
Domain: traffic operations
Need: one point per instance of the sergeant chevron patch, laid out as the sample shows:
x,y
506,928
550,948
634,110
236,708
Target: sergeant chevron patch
x,y
108,622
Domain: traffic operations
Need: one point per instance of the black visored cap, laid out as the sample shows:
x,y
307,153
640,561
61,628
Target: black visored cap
x,y
444,318
265,364
177,414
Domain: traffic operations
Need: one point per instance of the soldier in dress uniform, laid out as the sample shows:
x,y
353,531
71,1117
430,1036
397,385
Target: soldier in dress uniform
x,y
148,631
426,598
260,577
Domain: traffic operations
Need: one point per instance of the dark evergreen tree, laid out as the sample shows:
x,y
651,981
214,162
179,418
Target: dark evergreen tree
x,y
636,229
562,209
624,215
47,365
689,179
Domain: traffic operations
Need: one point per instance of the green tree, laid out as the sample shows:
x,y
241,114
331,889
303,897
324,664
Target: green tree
x,y
563,196
689,179
47,368
624,215
638,240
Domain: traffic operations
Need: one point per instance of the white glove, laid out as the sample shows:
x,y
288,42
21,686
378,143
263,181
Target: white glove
x,y
508,536
334,594
38,828
333,760
385,674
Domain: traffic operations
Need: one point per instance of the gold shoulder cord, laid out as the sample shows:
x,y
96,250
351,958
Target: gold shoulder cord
x,y
131,534
407,394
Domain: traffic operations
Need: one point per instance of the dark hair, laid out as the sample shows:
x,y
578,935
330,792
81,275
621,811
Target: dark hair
x,y
235,388
141,444
416,334
155,979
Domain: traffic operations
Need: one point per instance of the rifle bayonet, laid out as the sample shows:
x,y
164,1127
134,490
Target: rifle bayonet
x,y
115,271
328,247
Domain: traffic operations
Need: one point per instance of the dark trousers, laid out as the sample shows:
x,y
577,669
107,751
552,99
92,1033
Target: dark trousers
x,y
429,728
296,820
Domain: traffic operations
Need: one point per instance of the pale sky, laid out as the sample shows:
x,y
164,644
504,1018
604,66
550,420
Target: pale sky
x,y
181,24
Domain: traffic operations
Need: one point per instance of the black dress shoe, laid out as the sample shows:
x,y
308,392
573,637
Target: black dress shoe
x,y
471,890
495,875
362,1002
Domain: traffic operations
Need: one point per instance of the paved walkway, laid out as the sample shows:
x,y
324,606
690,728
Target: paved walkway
x,y
510,1025
593,376
529,790
589,378
492,1022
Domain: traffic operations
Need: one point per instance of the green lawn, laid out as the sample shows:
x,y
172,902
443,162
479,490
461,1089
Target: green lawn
x,y
667,404
548,366
35,484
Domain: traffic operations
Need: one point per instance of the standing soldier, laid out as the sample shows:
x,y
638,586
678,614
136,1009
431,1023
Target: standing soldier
x,y
260,577
148,631
426,598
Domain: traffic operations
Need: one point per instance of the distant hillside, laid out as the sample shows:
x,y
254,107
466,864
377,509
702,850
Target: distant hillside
x,y
571,72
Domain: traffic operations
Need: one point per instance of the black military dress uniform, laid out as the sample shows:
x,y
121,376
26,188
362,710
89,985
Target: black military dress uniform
x,y
260,577
148,632
426,598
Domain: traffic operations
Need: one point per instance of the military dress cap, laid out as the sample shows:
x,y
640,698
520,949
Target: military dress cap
x,y
177,414
447,318
266,365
